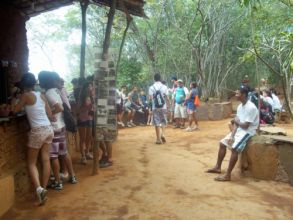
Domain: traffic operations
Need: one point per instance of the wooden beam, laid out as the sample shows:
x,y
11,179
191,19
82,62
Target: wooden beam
x,y
84,5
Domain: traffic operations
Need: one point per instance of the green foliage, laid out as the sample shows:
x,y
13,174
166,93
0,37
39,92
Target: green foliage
x,y
171,33
131,73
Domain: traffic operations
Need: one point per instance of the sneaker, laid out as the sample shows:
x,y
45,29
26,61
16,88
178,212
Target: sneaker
x,y
182,127
188,129
42,196
195,128
63,176
129,125
120,123
141,111
57,186
104,164
52,178
72,180
83,160
132,124
89,156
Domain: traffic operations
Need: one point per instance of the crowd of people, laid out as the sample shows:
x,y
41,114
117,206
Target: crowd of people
x,y
52,112
180,105
267,100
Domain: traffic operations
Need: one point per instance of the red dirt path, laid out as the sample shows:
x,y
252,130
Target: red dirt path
x,y
167,181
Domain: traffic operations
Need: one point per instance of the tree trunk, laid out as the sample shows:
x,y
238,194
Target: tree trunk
x,y
84,5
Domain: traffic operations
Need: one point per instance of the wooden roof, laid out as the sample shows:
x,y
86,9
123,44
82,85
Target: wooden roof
x,y
34,7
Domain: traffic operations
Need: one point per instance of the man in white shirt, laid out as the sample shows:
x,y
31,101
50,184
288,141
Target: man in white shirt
x,y
244,126
159,95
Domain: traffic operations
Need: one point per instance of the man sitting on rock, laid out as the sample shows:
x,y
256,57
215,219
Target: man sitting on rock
x,y
246,122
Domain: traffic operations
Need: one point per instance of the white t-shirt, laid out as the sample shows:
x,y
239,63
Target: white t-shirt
x,y
53,98
118,97
277,103
248,113
270,101
163,89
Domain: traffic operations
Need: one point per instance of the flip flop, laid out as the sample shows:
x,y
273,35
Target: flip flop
x,y
222,178
163,139
213,171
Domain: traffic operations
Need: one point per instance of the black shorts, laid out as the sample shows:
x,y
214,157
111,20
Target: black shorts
x,y
119,108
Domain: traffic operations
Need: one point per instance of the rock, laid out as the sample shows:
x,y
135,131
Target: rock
x,y
268,157
261,158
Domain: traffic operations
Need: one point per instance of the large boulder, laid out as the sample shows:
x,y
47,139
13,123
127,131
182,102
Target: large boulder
x,y
268,158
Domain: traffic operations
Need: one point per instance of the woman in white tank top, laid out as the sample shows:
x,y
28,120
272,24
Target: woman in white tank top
x,y
40,135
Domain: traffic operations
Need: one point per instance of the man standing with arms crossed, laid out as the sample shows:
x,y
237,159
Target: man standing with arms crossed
x,y
159,95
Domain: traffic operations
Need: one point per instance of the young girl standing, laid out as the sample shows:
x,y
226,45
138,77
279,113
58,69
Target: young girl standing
x,y
40,135
85,115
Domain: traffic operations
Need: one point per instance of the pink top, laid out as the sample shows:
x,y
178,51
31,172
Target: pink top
x,y
86,111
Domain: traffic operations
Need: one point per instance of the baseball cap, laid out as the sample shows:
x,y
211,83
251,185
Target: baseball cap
x,y
180,80
174,78
244,89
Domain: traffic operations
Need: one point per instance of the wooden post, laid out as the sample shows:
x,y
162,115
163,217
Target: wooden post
x,y
84,5
128,21
106,43
106,46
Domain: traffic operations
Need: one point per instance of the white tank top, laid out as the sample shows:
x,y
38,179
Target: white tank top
x,y
36,113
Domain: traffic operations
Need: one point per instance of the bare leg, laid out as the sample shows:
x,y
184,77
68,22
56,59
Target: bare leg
x,y
158,134
195,119
32,156
82,136
46,165
109,150
68,162
183,122
190,119
221,156
103,148
88,139
56,168
177,122
63,166
232,162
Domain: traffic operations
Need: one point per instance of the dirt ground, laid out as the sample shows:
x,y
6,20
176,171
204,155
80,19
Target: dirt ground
x,y
150,181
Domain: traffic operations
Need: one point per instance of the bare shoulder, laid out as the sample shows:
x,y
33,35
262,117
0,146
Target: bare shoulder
x,y
30,98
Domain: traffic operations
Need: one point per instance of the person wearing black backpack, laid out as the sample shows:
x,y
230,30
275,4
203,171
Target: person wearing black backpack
x,y
159,96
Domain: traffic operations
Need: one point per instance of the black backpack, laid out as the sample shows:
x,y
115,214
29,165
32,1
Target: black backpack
x,y
267,117
159,100
69,121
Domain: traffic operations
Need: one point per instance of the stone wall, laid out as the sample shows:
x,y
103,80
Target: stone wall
x,y
13,139
13,46
214,111
268,159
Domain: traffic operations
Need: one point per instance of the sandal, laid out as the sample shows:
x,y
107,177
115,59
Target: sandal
x,y
213,170
163,139
222,178
158,142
